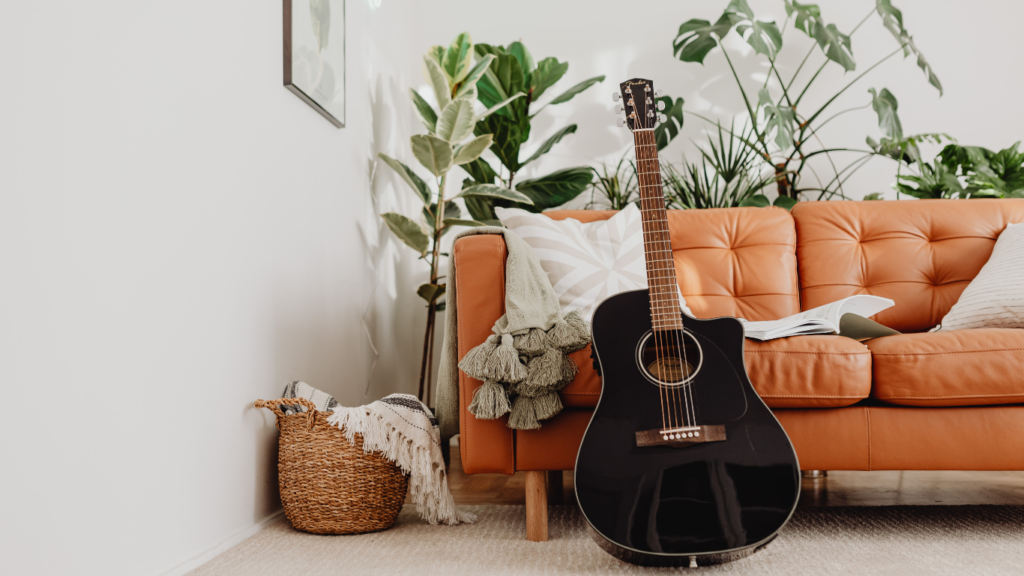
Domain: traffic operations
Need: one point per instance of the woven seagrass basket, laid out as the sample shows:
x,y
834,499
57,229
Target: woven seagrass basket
x,y
329,485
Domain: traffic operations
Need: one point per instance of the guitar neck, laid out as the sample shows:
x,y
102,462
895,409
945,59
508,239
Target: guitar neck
x,y
661,270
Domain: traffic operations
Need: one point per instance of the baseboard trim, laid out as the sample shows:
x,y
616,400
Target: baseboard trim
x,y
204,557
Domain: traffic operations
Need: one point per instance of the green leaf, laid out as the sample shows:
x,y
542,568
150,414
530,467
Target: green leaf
x,y
835,45
697,37
503,78
434,153
430,292
523,55
568,94
785,202
781,119
509,136
665,131
499,106
481,209
755,201
493,191
740,7
874,196
764,37
458,58
549,71
806,16
427,114
481,172
549,143
436,54
472,150
884,104
438,81
418,185
456,121
408,231
892,19
459,222
467,88
451,210
556,188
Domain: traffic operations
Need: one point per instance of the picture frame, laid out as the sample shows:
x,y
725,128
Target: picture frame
x,y
314,55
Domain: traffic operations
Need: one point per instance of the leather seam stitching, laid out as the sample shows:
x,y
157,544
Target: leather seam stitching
x,y
804,396
859,353
512,436
867,423
952,396
949,352
458,322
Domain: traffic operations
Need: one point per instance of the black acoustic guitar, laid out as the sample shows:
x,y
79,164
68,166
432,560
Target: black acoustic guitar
x,y
682,463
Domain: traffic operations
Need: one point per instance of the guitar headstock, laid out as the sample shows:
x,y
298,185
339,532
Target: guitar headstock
x,y
638,104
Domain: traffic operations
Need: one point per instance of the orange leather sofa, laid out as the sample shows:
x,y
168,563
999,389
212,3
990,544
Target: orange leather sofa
x,y
917,401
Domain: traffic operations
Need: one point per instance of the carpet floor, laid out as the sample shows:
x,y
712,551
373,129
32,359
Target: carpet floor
x,y
891,540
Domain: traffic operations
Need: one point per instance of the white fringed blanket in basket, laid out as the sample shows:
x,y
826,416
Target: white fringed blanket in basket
x,y
402,429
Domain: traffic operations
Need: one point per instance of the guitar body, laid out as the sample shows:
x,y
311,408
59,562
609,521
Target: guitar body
x,y
679,502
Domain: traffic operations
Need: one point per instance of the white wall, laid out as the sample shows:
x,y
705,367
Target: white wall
x,y
179,236
971,46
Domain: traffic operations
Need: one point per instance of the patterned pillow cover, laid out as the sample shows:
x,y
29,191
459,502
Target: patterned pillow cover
x,y
586,263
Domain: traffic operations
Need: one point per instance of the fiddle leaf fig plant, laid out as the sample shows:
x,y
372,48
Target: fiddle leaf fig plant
x,y
450,141
513,76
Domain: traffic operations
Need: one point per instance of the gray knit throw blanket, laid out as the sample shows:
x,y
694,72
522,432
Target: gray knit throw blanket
x,y
524,364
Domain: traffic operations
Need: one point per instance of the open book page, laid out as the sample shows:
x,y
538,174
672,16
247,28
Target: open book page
x,y
820,320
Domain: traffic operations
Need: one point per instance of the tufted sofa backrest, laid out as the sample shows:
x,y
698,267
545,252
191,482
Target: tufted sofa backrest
x,y
920,253
729,262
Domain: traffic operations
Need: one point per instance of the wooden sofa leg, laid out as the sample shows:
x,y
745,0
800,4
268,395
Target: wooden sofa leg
x,y
537,506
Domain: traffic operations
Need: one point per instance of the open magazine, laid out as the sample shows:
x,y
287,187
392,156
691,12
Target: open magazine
x,y
848,317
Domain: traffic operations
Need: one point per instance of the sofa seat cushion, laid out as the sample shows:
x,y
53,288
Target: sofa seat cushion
x,y
797,372
978,367
821,371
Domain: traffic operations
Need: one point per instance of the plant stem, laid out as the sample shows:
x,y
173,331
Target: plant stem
x,y
851,83
753,114
435,258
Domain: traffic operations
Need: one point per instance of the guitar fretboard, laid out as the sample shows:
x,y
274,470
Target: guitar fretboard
x,y
661,270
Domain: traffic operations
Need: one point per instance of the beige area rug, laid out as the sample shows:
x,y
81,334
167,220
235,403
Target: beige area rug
x,y
896,540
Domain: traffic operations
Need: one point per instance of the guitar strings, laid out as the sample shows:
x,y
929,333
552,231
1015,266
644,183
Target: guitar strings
x,y
664,246
679,401
662,393
685,367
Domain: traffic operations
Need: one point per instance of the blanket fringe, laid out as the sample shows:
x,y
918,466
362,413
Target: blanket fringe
x,y
490,401
428,483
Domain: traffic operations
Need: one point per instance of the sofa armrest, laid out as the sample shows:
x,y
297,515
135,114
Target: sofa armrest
x,y
485,445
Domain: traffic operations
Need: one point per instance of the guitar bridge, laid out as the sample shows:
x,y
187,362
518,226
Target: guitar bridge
x,y
681,437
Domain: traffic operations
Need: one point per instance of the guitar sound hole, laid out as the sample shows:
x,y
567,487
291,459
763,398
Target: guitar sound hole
x,y
669,357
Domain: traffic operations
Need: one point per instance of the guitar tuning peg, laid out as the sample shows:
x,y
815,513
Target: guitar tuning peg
x,y
616,96
619,109
621,122
662,118
661,105
657,93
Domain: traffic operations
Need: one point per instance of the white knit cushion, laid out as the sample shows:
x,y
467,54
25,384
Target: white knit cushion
x,y
995,298
586,263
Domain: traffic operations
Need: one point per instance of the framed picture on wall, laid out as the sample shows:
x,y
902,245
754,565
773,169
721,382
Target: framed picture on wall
x,y
314,55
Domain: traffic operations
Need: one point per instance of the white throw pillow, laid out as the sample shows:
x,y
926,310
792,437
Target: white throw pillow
x,y
995,298
586,263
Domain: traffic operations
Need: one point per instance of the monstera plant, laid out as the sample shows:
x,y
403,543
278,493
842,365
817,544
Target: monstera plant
x,y
449,142
785,128
514,76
